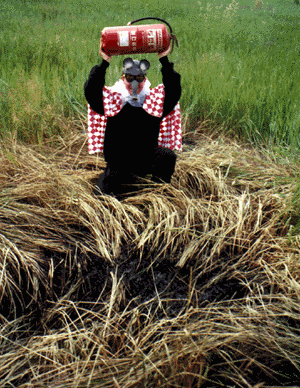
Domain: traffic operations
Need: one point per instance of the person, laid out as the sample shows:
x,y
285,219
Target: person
x,y
136,128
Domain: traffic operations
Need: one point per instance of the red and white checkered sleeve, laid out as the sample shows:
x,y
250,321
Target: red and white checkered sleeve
x,y
96,131
154,102
170,135
112,102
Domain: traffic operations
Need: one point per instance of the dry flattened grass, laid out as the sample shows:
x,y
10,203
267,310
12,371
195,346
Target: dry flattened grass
x,y
200,347
223,218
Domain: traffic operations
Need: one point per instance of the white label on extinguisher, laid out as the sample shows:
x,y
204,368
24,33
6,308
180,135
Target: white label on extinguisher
x,y
133,40
123,38
151,39
155,39
159,39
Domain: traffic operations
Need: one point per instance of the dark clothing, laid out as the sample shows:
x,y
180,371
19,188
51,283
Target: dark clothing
x,y
120,180
131,136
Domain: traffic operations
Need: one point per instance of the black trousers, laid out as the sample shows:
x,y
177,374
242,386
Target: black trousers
x,y
121,179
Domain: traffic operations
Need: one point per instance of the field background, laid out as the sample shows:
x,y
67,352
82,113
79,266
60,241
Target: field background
x,y
239,63
193,284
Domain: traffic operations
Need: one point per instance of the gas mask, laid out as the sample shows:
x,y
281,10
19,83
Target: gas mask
x,y
134,75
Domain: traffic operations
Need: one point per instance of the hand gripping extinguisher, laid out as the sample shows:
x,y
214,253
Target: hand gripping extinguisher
x,y
150,38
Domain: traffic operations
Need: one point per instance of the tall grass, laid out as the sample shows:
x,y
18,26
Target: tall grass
x,y
238,63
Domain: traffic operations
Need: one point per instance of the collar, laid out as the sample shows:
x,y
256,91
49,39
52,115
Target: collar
x,y
120,87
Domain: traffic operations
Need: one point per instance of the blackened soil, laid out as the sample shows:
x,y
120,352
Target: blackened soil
x,y
157,285
162,281
88,279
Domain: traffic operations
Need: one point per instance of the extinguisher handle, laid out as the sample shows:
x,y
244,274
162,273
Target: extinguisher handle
x,y
174,40
173,36
154,18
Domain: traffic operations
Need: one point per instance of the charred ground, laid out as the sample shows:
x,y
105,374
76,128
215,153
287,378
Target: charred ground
x,y
188,284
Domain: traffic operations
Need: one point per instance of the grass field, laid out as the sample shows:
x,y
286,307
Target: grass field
x,y
238,63
193,284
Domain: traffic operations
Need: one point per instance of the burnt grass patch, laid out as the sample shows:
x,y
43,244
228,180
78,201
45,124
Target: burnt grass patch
x,y
165,288
184,285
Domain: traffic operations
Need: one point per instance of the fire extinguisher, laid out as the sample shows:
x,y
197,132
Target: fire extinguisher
x,y
138,39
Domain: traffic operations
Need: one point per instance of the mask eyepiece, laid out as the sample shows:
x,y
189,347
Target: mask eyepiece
x,y
139,78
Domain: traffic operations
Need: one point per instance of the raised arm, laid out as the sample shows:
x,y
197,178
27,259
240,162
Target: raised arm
x,y
95,83
171,81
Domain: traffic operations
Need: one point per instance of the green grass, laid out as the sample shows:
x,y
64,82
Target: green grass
x,y
238,63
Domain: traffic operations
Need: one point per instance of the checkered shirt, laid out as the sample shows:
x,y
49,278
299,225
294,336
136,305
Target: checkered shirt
x,y
170,127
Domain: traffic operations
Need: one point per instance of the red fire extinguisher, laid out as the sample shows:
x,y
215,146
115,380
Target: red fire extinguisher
x,y
138,39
